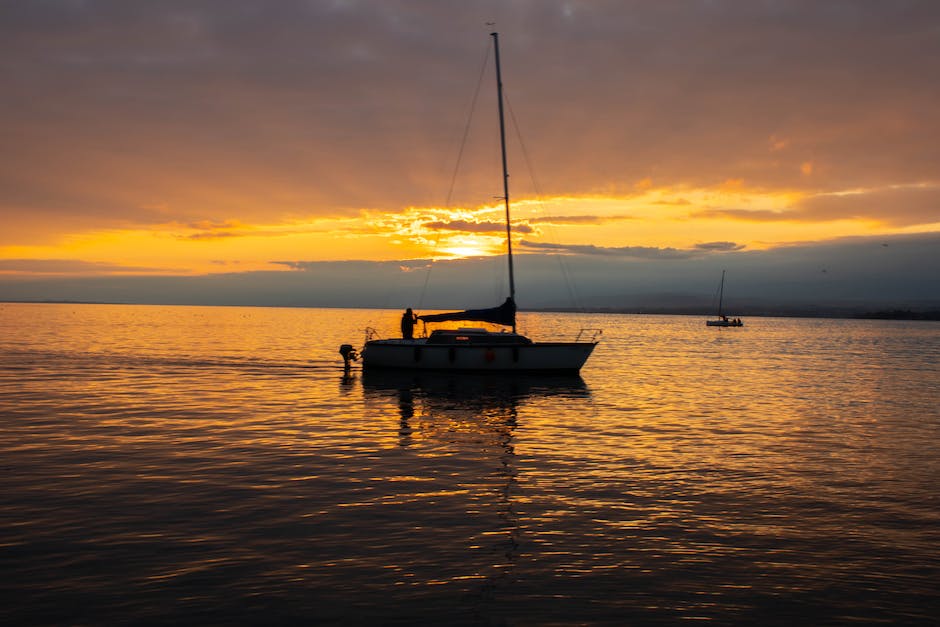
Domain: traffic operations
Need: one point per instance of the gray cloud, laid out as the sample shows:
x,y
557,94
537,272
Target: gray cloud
x,y
640,252
476,227
719,246
68,266
578,219
208,235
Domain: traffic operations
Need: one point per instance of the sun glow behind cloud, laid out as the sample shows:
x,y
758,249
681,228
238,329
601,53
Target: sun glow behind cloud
x,y
680,218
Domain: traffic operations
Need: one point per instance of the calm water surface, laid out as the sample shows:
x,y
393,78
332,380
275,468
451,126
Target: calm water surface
x,y
214,465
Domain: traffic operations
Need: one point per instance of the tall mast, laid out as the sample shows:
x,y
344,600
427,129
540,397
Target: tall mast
x,y
721,292
502,144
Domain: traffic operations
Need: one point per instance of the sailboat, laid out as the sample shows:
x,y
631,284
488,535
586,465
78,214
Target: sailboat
x,y
723,320
471,348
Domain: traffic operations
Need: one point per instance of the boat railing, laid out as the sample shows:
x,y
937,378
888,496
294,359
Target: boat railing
x,y
589,335
372,334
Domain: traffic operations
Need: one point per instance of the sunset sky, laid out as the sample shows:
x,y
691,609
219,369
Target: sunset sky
x,y
296,152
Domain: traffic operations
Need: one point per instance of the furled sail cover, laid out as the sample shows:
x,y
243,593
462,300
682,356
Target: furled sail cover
x,y
504,314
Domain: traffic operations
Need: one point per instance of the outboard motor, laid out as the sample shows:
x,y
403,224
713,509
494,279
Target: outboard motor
x,y
349,354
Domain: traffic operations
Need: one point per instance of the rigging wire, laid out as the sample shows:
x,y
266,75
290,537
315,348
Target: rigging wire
x,y
569,286
453,178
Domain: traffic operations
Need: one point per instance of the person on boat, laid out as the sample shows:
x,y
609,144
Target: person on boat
x,y
408,320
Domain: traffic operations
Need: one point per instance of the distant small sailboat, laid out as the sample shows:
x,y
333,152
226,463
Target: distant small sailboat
x,y
723,320
470,348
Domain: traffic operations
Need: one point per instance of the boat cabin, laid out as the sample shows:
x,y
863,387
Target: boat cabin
x,y
465,336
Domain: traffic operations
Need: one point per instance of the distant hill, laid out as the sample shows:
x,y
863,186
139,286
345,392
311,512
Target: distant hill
x,y
805,311
901,314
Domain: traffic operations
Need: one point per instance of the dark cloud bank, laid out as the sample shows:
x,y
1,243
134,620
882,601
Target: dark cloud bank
x,y
842,277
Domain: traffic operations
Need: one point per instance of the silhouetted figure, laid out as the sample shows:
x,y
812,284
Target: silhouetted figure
x,y
349,354
408,320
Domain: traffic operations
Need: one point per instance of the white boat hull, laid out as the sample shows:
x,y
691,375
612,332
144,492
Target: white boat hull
x,y
419,355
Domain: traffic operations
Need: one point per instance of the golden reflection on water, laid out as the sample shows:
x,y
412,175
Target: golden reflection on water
x,y
175,457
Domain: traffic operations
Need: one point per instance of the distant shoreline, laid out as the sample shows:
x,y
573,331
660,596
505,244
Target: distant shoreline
x,y
821,312
825,313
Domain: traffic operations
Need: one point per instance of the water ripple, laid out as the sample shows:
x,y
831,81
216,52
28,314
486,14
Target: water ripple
x,y
163,464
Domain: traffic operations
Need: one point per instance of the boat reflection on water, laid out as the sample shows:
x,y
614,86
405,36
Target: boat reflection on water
x,y
459,430
483,387
485,400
